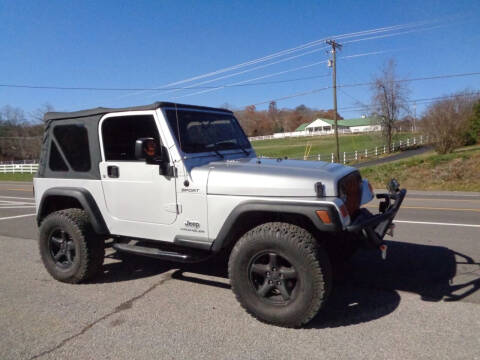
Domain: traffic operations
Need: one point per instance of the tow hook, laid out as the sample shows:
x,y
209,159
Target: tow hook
x,y
383,249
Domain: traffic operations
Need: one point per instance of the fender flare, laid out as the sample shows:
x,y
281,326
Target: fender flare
x,y
85,199
281,207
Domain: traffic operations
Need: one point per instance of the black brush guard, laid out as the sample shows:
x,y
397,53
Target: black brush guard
x,y
374,227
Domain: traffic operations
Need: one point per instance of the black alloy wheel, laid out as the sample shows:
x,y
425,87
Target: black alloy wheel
x,y
273,277
62,248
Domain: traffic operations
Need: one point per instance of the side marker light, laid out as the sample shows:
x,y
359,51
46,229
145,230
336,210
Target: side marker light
x,y
324,216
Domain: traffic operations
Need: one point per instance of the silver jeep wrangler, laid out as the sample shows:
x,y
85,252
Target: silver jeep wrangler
x,y
183,183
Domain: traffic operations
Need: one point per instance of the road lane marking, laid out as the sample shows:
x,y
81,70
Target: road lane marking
x,y
431,208
17,207
3,201
15,197
447,195
15,217
431,199
29,190
435,223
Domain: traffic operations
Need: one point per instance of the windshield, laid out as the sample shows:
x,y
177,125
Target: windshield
x,y
206,131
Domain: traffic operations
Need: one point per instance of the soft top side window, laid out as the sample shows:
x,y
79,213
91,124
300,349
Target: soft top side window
x,y
119,134
73,142
71,145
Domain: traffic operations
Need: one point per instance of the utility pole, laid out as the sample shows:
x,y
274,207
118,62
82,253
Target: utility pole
x,y
414,116
333,64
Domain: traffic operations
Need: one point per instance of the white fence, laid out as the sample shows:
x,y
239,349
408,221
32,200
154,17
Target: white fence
x,y
371,153
18,168
368,154
296,134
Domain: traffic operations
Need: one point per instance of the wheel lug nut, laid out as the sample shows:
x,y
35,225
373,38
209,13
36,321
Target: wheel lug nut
x,y
270,281
278,282
268,273
274,269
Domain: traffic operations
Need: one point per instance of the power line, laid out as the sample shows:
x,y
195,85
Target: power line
x,y
48,87
261,67
218,87
170,87
421,101
42,87
444,76
292,96
352,97
367,84
249,70
246,82
298,48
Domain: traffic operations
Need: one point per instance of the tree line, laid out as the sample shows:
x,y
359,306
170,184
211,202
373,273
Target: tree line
x,y
265,122
21,133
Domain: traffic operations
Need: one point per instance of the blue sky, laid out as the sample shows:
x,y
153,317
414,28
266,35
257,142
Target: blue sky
x,y
138,44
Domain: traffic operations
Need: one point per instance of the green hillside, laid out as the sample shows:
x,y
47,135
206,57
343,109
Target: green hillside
x,y
459,171
325,145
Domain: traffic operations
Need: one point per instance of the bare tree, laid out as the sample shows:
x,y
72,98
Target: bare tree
x,y
389,100
447,121
12,121
19,138
38,114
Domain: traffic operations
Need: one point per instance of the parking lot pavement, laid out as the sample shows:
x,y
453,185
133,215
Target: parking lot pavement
x,y
422,302
16,210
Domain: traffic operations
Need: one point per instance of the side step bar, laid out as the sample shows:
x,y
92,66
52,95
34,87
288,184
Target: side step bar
x,y
158,254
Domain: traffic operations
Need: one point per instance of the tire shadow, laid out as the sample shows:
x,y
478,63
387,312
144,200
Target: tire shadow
x,y
366,288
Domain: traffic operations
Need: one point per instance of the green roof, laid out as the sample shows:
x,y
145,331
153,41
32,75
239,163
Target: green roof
x,y
352,122
302,127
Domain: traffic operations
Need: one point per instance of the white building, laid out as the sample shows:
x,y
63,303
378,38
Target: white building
x,y
363,124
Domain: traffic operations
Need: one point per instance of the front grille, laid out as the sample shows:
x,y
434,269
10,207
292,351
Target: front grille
x,y
350,190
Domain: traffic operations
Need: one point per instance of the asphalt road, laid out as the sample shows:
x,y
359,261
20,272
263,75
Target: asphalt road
x,y
422,302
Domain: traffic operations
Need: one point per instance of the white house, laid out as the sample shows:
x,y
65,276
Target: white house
x,y
363,124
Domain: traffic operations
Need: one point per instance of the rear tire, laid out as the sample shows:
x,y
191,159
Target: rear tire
x,y
280,274
70,249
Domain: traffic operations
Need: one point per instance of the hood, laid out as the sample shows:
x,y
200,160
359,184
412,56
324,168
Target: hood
x,y
273,177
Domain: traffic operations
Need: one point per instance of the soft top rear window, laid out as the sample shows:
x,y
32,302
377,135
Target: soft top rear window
x,y
73,142
201,131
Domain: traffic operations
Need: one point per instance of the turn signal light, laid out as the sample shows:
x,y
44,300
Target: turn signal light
x,y
324,216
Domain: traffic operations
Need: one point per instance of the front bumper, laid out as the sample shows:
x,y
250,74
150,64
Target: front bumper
x,y
374,227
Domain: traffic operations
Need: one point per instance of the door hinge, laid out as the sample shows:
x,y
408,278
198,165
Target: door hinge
x,y
173,208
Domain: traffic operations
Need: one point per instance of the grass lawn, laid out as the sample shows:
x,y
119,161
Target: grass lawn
x,y
324,145
459,171
16,177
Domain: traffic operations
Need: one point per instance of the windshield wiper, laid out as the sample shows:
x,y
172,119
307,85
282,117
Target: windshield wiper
x,y
243,149
214,147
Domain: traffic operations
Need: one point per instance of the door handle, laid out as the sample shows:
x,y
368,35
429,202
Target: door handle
x,y
113,171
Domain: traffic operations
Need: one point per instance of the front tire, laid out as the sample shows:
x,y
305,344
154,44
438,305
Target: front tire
x,y
69,248
280,274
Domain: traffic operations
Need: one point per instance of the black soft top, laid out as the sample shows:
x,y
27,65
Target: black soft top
x,y
90,120
50,116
